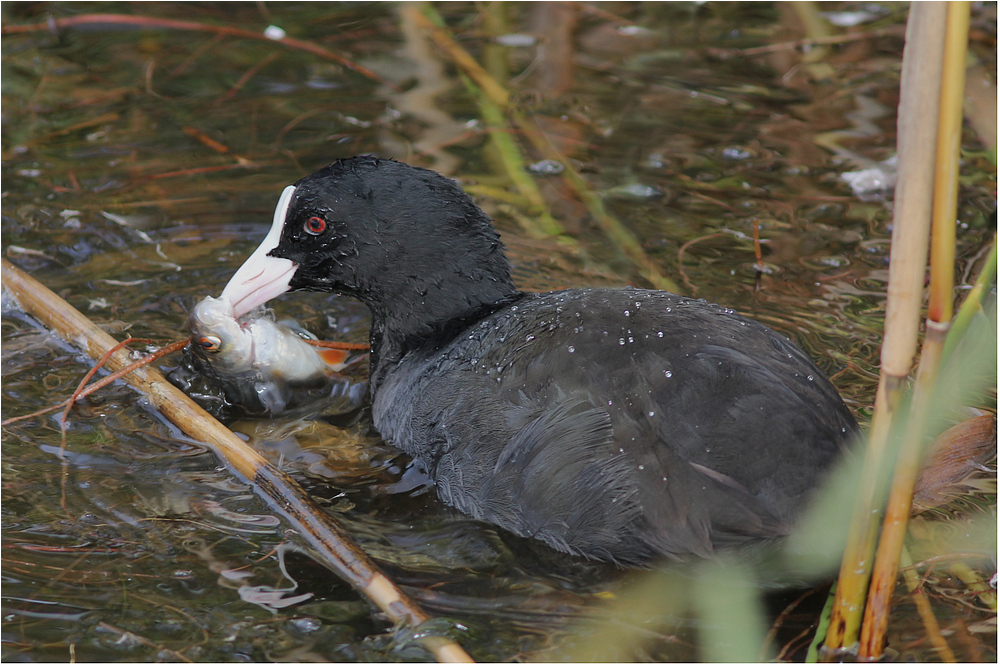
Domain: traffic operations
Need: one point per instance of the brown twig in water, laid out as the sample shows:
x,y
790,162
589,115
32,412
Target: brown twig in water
x,y
821,41
790,645
152,23
69,406
945,559
86,378
84,124
984,593
206,140
759,256
198,170
101,383
711,200
194,55
250,73
138,181
780,620
680,259
40,412
150,66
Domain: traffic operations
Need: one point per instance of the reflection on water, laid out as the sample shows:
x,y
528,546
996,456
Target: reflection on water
x,y
141,167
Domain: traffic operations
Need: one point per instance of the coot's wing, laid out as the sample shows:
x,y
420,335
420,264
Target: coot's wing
x,y
562,476
558,477
742,440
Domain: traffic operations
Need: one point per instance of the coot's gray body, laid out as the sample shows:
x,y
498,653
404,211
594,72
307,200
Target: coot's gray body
x,y
618,423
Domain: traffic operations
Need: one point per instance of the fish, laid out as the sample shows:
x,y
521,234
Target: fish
x,y
256,344
255,365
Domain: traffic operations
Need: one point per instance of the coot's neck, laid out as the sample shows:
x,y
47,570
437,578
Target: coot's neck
x,y
427,312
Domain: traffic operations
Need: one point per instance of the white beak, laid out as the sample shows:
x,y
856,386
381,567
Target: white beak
x,y
261,277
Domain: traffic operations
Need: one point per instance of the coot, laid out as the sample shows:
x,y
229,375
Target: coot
x,y
618,424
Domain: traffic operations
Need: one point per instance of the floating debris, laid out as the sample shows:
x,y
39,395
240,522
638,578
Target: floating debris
x,y
873,183
516,39
546,168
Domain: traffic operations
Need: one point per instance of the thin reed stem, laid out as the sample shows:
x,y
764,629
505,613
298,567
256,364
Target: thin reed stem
x,y
917,127
886,565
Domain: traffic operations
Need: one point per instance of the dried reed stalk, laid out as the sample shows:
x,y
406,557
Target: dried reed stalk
x,y
917,129
324,536
156,23
939,313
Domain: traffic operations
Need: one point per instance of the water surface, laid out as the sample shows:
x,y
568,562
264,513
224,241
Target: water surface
x,y
140,167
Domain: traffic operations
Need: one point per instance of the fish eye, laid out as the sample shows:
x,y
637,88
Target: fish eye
x,y
315,226
209,343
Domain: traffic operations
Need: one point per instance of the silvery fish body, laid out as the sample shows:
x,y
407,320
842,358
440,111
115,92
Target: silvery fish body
x,y
256,344
255,365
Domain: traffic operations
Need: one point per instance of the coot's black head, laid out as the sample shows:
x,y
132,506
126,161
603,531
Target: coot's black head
x,y
406,241
363,222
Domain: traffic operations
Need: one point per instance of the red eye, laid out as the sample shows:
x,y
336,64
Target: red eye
x,y
315,226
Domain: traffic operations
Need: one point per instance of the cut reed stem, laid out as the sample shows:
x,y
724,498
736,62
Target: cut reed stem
x,y
939,313
318,529
917,128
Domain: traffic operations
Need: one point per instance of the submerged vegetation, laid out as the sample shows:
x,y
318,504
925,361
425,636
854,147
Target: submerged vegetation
x,y
738,152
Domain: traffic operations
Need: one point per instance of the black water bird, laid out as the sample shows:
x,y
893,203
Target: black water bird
x,y
619,424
